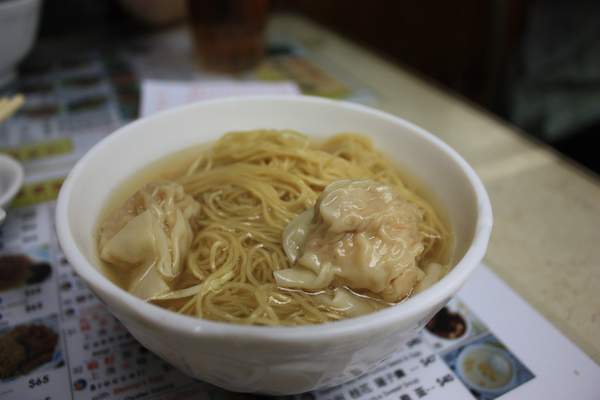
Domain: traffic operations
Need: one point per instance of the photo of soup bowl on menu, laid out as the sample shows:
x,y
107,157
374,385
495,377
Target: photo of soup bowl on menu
x,y
274,244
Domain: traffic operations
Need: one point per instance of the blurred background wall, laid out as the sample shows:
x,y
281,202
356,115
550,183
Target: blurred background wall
x,y
534,63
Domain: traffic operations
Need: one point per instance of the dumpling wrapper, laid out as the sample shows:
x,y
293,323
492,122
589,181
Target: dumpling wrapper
x,y
349,303
149,237
360,234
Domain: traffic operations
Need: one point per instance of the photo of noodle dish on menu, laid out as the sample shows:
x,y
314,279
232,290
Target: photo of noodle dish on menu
x,y
486,366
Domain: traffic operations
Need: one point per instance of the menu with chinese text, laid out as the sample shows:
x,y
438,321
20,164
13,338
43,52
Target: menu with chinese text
x,y
58,341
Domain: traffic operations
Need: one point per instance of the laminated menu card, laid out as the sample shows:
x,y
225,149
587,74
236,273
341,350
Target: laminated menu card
x,y
58,341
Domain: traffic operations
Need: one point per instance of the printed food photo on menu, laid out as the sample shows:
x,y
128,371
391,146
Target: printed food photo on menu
x,y
17,270
30,347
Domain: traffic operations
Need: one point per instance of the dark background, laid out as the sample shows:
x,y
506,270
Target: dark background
x,y
533,63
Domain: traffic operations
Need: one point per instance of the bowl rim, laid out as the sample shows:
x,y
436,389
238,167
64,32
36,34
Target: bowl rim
x,y
438,294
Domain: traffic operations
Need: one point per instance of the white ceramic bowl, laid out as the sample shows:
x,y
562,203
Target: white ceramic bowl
x,y
18,26
11,180
273,360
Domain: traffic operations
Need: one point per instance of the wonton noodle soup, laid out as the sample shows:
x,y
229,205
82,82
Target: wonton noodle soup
x,y
271,228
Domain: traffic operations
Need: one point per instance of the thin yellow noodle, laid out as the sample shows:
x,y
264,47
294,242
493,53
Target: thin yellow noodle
x,y
249,186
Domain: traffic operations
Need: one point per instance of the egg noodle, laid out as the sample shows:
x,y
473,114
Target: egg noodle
x,y
249,186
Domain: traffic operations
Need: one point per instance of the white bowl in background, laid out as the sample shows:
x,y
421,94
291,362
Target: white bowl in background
x,y
271,360
11,180
18,26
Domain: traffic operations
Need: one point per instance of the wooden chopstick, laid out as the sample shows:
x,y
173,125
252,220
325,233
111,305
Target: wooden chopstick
x,y
8,106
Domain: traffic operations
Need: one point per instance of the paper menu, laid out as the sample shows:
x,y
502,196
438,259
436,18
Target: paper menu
x,y
160,95
488,343
75,98
529,357
70,104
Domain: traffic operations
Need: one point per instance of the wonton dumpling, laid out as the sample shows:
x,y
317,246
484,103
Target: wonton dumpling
x,y
360,234
150,236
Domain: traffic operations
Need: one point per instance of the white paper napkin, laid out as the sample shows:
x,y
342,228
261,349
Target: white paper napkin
x,y
159,95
